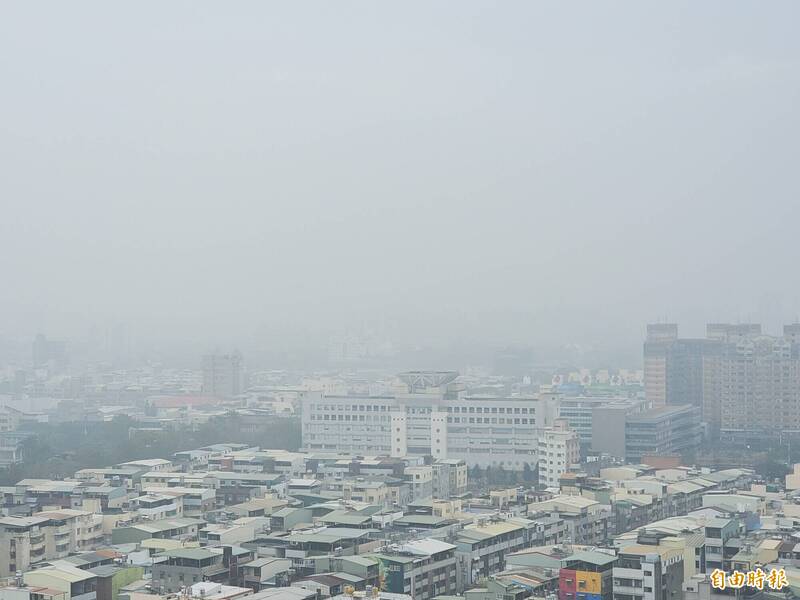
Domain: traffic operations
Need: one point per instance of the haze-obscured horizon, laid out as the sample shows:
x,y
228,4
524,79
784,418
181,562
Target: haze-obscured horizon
x,y
451,173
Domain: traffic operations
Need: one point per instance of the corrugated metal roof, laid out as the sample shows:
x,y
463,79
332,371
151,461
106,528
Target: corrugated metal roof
x,y
426,547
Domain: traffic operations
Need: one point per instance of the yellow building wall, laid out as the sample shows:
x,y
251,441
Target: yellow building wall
x,y
588,582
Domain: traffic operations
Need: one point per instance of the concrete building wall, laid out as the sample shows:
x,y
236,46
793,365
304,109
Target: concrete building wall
x,y
608,430
399,434
482,431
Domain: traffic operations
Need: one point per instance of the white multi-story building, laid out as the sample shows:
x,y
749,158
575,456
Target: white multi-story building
x,y
648,572
151,464
156,507
46,536
450,477
421,481
559,448
483,431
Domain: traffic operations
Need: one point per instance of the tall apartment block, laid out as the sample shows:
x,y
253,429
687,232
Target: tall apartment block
x,y
673,367
222,375
743,381
434,419
752,382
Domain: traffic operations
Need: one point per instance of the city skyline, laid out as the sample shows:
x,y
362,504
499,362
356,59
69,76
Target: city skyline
x,y
402,300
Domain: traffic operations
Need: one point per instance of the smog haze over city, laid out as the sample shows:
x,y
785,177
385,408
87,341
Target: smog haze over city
x,y
404,300
444,174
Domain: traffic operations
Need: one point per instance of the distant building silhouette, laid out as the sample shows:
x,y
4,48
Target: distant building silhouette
x,y
222,375
48,352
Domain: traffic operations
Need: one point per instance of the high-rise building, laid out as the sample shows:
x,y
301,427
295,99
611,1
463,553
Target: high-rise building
x,y
660,338
752,381
673,366
743,381
559,449
48,352
222,375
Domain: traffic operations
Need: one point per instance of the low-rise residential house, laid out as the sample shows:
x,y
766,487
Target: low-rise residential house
x,y
648,573
288,518
110,578
26,592
450,477
285,593
738,502
152,479
757,554
587,575
195,502
235,488
632,510
266,572
303,486
494,588
154,546
422,568
102,498
43,494
129,477
86,560
426,523
367,568
148,464
72,582
330,584
156,507
192,460
75,530
23,541
686,533
301,546
684,497
789,553
180,529
288,464
420,478
215,534
209,590
698,587
361,490
481,548
346,518
691,544
46,536
722,543
257,507
587,520
176,569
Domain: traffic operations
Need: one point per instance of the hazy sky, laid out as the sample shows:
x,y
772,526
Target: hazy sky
x,y
515,171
